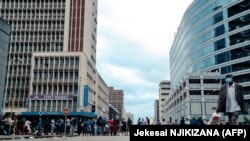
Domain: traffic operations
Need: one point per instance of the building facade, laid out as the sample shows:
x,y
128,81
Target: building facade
x,y
164,91
60,80
196,96
156,111
213,37
50,37
116,98
102,98
113,112
4,44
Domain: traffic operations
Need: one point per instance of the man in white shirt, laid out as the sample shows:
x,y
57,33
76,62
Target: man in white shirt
x,y
231,100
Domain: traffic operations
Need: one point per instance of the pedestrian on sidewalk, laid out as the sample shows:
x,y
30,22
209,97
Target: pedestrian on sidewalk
x,y
231,100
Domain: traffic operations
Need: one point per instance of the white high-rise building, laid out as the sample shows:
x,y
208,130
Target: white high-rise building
x,y
164,92
156,111
56,43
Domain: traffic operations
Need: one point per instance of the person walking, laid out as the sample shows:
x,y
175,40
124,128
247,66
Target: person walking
x,y
124,127
52,126
129,123
148,121
182,122
231,100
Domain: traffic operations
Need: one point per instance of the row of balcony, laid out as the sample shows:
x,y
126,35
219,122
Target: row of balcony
x,y
55,80
18,87
12,18
57,66
33,15
55,93
37,28
33,6
206,86
37,39
14,74
28,64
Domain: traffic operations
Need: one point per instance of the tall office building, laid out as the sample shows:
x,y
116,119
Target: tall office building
x,y
213,37
102,98
164,92
4,44
156,111
116,99
56,43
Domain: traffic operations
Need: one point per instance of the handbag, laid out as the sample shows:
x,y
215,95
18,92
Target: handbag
x,y
215,119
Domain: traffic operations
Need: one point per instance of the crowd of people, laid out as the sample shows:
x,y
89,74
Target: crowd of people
x,y
184,121
100,126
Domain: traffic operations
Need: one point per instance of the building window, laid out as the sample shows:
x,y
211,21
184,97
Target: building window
x,y
76,74
219,30
194,81
56,75
36,61
61,75
56,62
72,61
35,75
195,92
71,75
50,75
77,61
65,74
66,61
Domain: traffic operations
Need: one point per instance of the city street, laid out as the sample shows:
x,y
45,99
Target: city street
x,y
78,138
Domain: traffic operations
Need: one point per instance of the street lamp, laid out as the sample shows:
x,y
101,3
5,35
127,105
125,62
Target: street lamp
x,y
7,83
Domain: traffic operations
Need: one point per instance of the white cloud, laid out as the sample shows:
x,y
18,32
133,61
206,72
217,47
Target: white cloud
x,y
141,96
125,76
141,111
150,24
134,39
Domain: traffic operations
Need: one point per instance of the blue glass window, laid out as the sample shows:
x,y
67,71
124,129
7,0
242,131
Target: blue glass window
x,y
226,69
219,30
221,58
220,44
218,17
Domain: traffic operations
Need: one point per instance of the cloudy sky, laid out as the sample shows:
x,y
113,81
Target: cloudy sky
x,y
134,39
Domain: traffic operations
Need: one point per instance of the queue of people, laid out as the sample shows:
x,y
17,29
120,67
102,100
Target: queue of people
x,y
100,126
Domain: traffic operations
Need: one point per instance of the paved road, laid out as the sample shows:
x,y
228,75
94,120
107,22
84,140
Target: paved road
x,y
96,138
90,138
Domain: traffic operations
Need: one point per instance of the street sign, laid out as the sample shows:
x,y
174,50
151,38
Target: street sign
x,y
65,111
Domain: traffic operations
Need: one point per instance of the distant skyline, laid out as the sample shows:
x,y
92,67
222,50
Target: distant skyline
x,y
133,43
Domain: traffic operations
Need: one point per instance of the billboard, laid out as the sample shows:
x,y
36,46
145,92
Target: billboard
x,y
85,95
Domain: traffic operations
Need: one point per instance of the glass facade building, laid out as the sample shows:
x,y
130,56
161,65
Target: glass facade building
x,y
214,36
4,43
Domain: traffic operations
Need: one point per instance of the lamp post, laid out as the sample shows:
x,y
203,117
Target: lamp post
x,y
5,95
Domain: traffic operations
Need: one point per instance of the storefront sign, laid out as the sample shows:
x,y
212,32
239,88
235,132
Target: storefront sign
x,y
51,97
